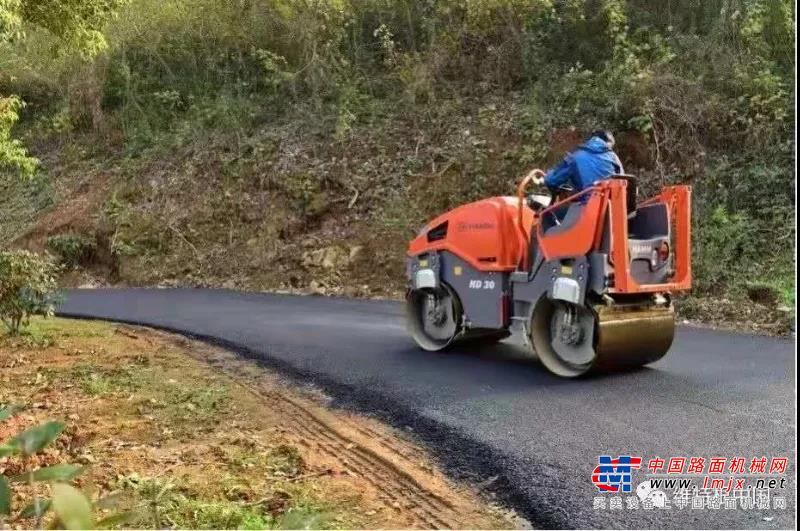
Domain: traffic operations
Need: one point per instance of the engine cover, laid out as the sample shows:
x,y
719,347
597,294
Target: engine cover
x,y
484,234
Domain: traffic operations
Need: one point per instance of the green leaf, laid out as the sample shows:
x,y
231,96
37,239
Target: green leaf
x,y
62,472
34,439
5,496
7,449
72,508
31,511
9,411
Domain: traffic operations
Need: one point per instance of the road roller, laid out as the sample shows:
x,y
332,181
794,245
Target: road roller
x,y
586,278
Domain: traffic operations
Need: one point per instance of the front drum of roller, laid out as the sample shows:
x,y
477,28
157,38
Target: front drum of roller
x,y
607,338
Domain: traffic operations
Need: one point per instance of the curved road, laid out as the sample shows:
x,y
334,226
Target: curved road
x,y
495,413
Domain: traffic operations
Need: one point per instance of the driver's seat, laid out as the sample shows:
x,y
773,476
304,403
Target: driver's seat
x,y
561,218
567,217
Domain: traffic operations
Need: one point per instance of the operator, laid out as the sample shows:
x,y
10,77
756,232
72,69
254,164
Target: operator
x,y
592,161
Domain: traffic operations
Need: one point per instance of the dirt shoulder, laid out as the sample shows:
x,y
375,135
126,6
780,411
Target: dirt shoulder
x,y
192,436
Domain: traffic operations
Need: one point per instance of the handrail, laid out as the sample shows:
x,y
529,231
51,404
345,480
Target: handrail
x,y
520,202
521,195
568,199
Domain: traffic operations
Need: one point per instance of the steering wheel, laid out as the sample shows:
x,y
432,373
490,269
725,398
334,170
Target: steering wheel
x,y
540,202
560,192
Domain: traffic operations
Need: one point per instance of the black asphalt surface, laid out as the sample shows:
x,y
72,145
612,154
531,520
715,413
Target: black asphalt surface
x,y
495,411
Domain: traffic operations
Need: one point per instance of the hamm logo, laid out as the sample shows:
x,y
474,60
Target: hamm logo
x,y
641,249
614,475
464,226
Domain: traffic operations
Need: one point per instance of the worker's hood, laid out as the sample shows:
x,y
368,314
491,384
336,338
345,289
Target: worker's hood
x,y
595,145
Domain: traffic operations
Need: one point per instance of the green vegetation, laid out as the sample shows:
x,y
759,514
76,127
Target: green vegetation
x,y
27,288
171,506
72,508
235,130
184,410
72,249
12,152
73,26
177,505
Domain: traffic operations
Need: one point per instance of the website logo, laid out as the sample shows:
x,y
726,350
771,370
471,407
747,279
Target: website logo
x,y
614,475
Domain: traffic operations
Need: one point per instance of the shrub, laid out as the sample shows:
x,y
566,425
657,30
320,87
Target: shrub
x,y
721,249
12,153
27,287
72,508
72,249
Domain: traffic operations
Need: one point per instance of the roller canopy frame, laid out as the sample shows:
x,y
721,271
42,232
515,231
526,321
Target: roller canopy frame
x,y
679,204
612,196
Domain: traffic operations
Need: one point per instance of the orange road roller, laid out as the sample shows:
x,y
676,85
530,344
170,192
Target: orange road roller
x,y
585,278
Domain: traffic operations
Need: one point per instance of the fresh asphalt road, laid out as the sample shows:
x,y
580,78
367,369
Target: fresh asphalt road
x,y
494,411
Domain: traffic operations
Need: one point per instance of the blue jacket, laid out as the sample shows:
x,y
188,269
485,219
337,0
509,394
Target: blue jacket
x,y
592,161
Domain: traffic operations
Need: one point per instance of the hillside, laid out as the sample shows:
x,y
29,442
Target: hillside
x,y
289,145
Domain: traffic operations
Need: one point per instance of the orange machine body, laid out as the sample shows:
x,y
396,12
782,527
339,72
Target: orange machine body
x,y
494,234
485,234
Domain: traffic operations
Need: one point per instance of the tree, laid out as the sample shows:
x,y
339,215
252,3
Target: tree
x,y
27,288
77,25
